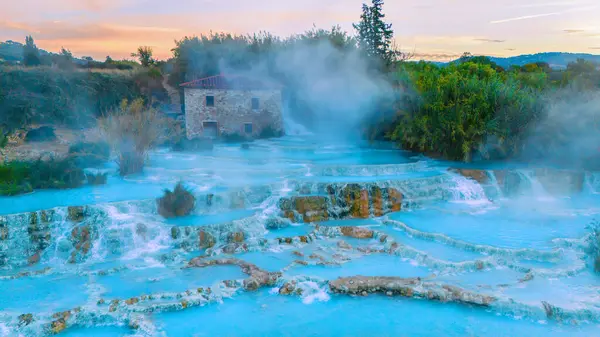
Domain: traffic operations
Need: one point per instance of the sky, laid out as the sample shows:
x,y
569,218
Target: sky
x,y
430,29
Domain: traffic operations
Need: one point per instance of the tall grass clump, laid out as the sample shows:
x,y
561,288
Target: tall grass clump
x,y
133,130
593,241
179,202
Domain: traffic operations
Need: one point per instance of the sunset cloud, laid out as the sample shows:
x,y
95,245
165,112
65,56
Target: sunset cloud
x,y
525,17
434,29
490,40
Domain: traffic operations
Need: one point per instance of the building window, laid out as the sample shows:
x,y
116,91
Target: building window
x,y
210,100
255,103
248,128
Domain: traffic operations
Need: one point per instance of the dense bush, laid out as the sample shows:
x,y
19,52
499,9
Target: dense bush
x,y
593,242
23,177
88,154
270,132
234,137
71,97
464,110
179,202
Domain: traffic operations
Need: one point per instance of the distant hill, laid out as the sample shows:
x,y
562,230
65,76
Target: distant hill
x,y
12,51
556,60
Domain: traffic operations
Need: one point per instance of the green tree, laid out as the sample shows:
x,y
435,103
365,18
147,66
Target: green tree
x,y
374,34
144,55
66,54
3,142
31,53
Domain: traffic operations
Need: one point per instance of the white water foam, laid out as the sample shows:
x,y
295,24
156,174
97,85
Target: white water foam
x,y
494,183
467,191
537,190
137,234
308,170
311,291
592,182
293,128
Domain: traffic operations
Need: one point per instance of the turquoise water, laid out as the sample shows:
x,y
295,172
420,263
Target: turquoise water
x,y
129,275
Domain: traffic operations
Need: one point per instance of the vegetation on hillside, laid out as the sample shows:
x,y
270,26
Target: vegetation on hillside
x,y
23,177
474,109
466,110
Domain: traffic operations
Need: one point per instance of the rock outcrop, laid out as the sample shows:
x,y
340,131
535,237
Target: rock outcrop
x,y
407,287
480,176
354,201
257,277
357,232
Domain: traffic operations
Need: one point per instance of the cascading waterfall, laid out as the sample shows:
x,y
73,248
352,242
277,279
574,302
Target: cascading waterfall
x,y
463,189
531,185
294,228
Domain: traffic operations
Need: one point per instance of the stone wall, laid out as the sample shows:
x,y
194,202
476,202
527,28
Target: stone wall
x,y
232,110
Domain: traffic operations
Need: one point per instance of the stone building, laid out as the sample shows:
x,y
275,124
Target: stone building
x,y
229,104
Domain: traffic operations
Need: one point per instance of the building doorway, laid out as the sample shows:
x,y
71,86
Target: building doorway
x,y
210,129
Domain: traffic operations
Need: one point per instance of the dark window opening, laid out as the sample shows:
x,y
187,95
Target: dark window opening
x,y
210,100
248,128
255,103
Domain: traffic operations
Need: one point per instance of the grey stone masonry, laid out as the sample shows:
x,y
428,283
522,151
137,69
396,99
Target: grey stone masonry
x,y
232,111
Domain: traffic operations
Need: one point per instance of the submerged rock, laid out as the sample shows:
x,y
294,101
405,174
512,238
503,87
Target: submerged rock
x,y
344,245
82,243
236,237
25,319
290,288
357,232
76,213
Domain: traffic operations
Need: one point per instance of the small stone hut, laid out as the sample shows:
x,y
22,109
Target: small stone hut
x,y
231,104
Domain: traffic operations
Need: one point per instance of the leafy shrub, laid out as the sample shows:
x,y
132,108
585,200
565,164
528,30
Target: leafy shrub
x,y
593,242
234,137
23,177
41,134
133,130
179,202
458,108
270,132
89,154
63,173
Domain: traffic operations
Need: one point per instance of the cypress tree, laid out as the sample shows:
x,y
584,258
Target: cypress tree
x,y
31,54
374,34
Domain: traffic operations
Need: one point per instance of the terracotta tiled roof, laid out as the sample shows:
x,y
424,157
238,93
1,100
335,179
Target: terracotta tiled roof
x,y
235,82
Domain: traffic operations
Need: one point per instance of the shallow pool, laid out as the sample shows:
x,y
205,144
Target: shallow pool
x,y
276,225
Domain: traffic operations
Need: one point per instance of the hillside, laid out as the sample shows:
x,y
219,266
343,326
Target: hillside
x,y
554,59
12,51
